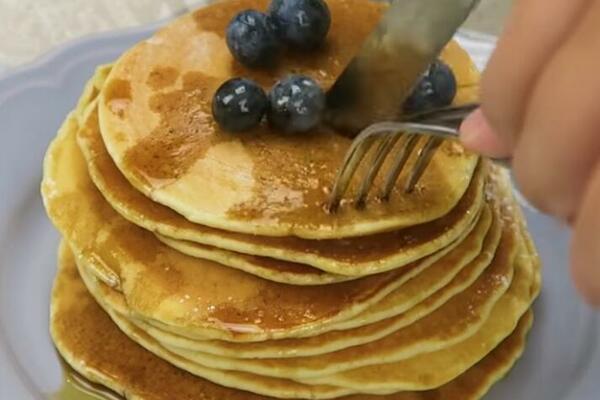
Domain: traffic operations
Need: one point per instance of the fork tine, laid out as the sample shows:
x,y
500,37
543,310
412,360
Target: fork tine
x,y
438,125
344,176
381,154
407,148
422,162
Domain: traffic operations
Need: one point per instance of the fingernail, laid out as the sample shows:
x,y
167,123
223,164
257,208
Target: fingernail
x,y
477,135
471,129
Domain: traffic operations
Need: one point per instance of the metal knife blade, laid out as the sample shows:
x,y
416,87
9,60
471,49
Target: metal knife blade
x,y
409,37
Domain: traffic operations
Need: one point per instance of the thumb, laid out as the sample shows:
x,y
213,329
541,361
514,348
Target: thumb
x,y
476,134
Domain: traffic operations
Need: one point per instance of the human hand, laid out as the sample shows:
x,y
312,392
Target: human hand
x,y
541,105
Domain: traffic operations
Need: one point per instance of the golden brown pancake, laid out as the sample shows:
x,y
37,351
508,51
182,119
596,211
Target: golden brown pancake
x,y
200,297
345,336
445,327
442,366
156,123
348,257
400,305
213,251
80,327
459,356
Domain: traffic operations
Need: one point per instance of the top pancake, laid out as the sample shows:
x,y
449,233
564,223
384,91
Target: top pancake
x,y
355,256
156,122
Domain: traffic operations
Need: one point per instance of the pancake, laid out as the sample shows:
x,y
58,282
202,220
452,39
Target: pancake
x,y
434,369
207,259
450,315
192,295
211,374
443,328
446,326
329,339
336,339
259,384
455,267
347,257
79,328
333,341
155,119
265,267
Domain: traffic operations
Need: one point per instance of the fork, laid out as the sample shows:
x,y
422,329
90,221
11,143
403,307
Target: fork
x,y
437,125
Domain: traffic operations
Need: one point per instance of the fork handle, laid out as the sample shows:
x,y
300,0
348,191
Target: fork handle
x,y
442,122
447,132
452,114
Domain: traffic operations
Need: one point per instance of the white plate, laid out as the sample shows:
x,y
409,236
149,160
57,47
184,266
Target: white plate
x,y
562,361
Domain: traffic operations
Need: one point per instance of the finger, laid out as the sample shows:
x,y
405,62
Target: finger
x,y
535,30
476,134
585,255
560,143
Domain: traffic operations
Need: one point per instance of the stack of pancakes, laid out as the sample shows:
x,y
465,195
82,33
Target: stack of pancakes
x,y
201,264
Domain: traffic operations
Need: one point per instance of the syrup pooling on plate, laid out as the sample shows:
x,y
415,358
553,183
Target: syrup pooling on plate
x,y
77,387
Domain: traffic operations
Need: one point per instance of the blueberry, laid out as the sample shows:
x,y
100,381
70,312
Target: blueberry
x,y
239,105
252,40
296,104
437,88
301,23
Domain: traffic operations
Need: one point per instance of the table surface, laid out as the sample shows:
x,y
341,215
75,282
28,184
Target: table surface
x,y
29,28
